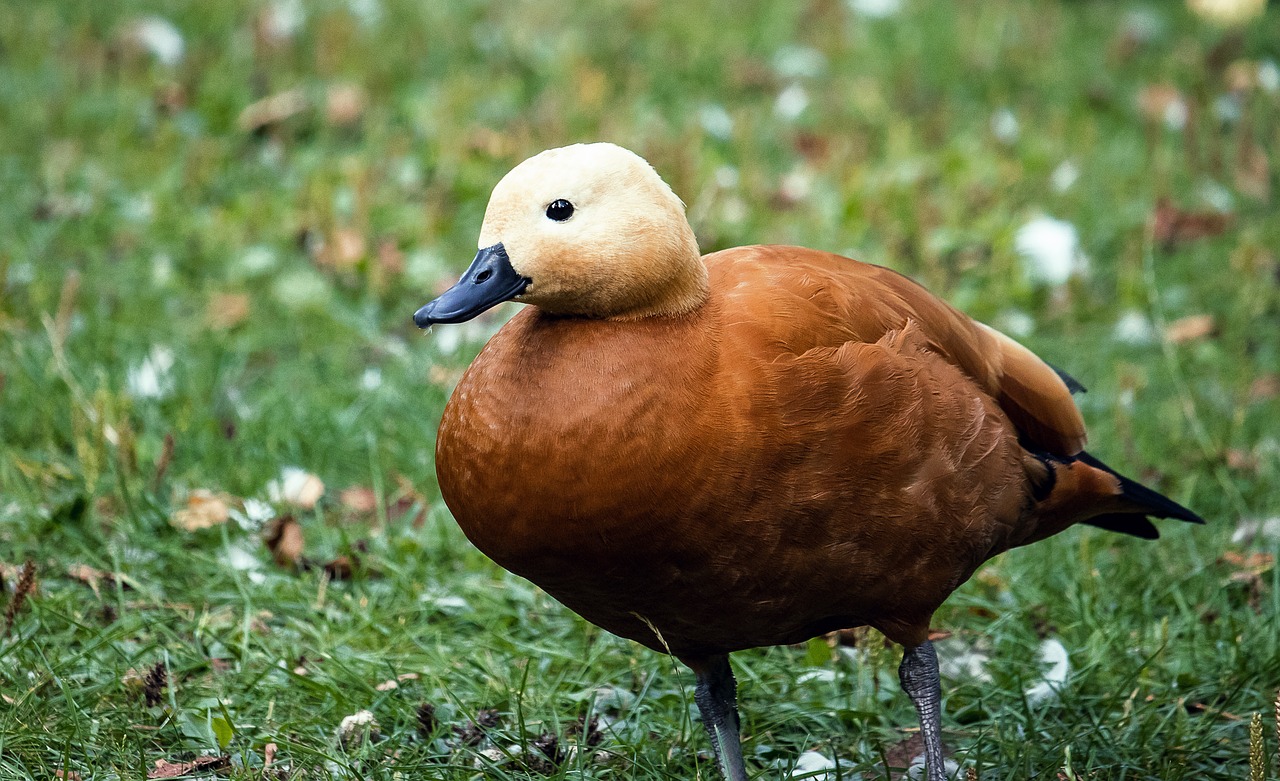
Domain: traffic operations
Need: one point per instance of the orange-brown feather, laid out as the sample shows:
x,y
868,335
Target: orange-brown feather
x,y
821,444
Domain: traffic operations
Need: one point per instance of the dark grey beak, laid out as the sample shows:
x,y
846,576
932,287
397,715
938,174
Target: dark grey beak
x,y
487,282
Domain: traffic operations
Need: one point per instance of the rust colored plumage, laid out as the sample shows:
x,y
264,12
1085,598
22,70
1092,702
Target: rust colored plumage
x,y
706,454
817,436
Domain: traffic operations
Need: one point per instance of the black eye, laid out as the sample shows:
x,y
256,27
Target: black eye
x,y
560,210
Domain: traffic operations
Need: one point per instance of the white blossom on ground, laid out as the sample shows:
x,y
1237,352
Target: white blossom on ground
x,y
791,102
1054,655
1050,250
150,379
297,487
875,9
159,38
811,765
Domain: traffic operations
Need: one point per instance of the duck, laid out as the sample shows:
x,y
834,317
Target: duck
x,y
706,454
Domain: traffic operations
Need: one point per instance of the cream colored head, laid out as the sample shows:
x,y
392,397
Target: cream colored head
x,y
626,250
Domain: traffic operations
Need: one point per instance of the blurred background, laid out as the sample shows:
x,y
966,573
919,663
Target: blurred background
x,y
219,526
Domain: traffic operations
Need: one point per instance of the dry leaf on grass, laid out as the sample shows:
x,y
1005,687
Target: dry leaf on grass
x,y
1173,226
1163,103
342,249
405,499
357,729
1247,565
272,110
341,568
359,500
1253,171
166,769
390,258
204,510
344,104
1264,388
394,683
283,537
93,577
1191,328
227,310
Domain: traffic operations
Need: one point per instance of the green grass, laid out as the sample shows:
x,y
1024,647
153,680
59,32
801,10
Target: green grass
x,y
130,199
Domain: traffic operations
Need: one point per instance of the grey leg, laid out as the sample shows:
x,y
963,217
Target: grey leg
x,y
716,696
921,682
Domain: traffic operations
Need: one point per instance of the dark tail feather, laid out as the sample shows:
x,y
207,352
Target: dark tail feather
x,y
1148,503
1134,524
1073,385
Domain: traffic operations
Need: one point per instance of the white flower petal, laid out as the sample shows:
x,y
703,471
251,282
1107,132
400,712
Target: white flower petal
x,y
1054,654
1133,327
150,379
715,119
297,487
1064,176
810,765
875,9
1004,126
1050,249
160,38
791,102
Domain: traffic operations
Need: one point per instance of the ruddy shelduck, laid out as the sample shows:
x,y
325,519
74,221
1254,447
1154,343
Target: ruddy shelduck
x,y
706,454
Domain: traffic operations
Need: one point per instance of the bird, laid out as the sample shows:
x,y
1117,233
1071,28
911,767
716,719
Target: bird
x,y
705,454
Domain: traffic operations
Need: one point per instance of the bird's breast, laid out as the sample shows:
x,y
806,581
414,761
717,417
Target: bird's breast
x,y
561,445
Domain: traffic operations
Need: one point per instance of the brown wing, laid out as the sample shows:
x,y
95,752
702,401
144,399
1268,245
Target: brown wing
x,y
869,301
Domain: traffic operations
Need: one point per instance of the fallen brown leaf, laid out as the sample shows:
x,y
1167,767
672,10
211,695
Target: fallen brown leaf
x,y
1255,563
227,310
272,110
204,510
341,568
1264,388
163,461
1172,226
283,537
1253,171
344,104
93,577
812,147
359,499
1163,103
344,248
405,499
1241,460
390,258
1191,328
166,769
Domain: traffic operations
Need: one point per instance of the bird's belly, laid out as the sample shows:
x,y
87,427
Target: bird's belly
x,y
682,557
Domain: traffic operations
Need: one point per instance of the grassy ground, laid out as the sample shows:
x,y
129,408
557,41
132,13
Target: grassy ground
x,y
240,286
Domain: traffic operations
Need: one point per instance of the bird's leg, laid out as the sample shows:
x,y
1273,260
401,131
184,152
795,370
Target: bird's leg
x,y
716,695
920,680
